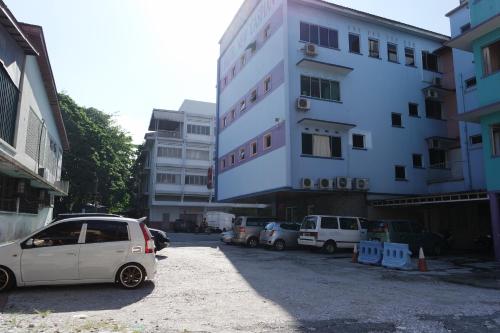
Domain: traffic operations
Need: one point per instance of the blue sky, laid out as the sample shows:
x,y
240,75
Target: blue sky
x,y
127,57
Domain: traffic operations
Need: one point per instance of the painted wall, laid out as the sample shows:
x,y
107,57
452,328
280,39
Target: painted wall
x,y
11,56
370,93
492,163
15,226
487,85
482,10
34,97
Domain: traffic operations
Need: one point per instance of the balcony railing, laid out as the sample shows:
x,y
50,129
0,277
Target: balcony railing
x,y
445,172
170,134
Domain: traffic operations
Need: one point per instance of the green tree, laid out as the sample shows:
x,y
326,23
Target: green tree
x,y
99,162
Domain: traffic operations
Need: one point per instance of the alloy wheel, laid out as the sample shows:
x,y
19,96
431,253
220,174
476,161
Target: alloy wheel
x,y
4,279
131,276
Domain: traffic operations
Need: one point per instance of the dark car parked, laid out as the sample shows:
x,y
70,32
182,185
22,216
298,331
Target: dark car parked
x,y
406,232
160,238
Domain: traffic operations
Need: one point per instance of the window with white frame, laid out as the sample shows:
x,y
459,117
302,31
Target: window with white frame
x,y
243,105
253,96
321,145
409,56
268,141
253,148
242,154
195,180
316,34
168,178
392,52
358,141
170,152
373,48
195,154
319,88
198,129
267,84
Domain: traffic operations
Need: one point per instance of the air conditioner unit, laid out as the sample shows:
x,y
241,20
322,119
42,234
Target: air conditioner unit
x,y
42,172
344,183
325,183
307,183
310,50
432,94
362,184
436,81
303,104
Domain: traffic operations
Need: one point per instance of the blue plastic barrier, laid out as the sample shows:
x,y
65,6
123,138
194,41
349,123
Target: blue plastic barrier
x,y
370,252
397,256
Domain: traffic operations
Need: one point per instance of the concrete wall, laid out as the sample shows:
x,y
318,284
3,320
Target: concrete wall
x,y
492,163
483,10
15,226
11,56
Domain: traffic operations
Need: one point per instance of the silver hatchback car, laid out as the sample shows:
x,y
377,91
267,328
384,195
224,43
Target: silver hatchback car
x,y
280,235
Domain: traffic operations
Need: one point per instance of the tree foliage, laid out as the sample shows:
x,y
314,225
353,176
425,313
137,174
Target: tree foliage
x,y
99,162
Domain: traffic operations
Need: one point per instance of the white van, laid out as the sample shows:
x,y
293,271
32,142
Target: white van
x,y
219,221
332,232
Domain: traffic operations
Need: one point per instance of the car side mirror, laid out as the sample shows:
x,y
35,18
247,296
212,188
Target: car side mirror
x,y
28,244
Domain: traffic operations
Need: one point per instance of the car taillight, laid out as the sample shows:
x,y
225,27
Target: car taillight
x,y
242,229
148,248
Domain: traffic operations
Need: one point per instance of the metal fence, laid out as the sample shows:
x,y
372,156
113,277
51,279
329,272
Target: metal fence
x,y
443,172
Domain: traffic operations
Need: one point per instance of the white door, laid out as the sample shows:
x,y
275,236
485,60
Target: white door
x,y
52,254
349,232
105,249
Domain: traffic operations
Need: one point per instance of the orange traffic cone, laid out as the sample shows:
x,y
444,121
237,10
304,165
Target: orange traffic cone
x,y
422,264
355,254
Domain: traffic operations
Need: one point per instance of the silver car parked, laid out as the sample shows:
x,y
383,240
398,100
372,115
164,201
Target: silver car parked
x,y
280,235
247,229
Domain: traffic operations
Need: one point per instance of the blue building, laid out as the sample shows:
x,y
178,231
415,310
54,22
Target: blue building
x,y
476,35
328,110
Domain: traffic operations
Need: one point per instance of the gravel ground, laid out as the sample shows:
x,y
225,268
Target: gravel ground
x,y
205,286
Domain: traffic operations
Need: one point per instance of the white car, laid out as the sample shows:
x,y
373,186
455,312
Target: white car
x,y
81,250
332,232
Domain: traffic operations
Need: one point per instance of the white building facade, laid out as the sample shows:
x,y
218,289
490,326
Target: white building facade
x,y
32,133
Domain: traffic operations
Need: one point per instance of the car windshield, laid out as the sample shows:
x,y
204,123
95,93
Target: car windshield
x,y
376,226
309,223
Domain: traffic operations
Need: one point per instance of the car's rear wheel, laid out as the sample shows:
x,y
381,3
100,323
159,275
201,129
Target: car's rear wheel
x,y
6,279
131,276
330,247
252,242
279,245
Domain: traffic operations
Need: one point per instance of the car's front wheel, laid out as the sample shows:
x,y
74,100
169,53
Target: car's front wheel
x,y
131,276
279,245
6,279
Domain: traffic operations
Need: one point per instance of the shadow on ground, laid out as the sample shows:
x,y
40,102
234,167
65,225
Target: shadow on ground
x,y
59,299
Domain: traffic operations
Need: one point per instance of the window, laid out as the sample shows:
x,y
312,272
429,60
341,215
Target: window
x,y
267,84
225,81
348,223
437,158
409,56
267,31
106,231
198,129
243,60
224,122
320,88
232,159
319,35
392,52
465,27
396,120
433,109
223,163
243,105
354,46
321,145
429,61
168,178
491,58
495,139
476,139
8,106
413,109
253,148
358,141
233,71
195,154
170,152
417,161
400,172
253,96
329,223
470,83
195,180
374,48
267,141
66,233
309,223
233,114
242,154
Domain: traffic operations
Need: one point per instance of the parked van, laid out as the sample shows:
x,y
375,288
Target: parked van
x,y
332,232
247,229
219,221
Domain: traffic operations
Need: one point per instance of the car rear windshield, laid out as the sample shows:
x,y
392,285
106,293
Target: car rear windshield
x,y
376,226
290,226
309,223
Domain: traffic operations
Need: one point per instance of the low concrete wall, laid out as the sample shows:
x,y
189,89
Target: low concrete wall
x,y
14,226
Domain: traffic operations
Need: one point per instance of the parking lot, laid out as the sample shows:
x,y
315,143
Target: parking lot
x,y
206,286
